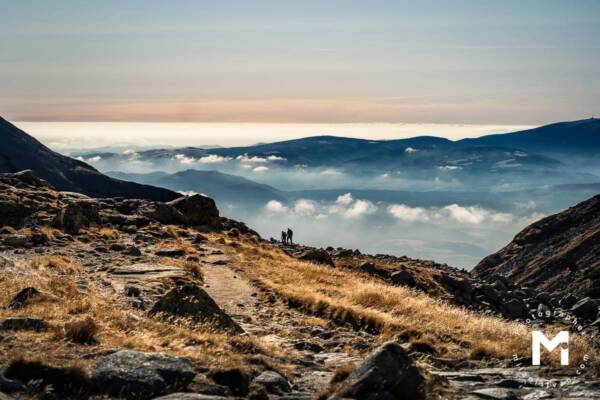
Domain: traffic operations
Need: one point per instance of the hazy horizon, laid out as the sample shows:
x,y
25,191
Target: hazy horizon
x,y
73,136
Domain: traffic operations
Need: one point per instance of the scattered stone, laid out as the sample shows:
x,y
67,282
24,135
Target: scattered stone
x,y
317,256
138,375
24,324
568,301
77,215
132,251
308,346
403,278
515,308
24,297
272,382
190,396
15,240
132,291
495,394
116,247
233,378
199,238
198,210
388,373
174,252
10,386
585,308
191,301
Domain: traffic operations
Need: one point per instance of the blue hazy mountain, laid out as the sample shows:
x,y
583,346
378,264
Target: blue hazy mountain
x,y
219,186
560,153
560,140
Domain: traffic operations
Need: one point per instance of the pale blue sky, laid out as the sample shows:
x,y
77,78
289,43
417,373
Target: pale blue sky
x,y
484,62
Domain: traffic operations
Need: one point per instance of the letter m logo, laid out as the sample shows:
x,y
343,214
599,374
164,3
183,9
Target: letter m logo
x,y
538,339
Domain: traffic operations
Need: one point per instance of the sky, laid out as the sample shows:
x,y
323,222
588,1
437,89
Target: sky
x,y
330,61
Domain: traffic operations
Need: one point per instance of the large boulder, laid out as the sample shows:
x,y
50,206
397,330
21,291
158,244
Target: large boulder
x,y
76,215
191,396
136,375
515,308
403,278
272,382
585,308
388,373
317,256
198,210
192,302
164,213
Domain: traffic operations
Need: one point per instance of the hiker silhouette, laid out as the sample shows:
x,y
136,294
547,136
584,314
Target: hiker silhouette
x,y
283,237
290,234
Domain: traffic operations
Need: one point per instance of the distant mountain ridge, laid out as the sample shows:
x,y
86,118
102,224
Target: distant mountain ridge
x,y
217,185
538,154
579,138
20,151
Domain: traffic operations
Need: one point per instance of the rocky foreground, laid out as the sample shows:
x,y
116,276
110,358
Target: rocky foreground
x,y
138,299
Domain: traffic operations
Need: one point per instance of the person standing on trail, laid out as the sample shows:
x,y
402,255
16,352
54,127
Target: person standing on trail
x,y
290,234
283,237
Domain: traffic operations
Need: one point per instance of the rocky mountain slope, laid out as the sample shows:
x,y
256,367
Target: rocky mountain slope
x,y
19,151
559,254
139,299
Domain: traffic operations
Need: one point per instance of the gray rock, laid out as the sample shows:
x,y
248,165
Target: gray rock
x,y
272,382
515,308
387,373
15,240
317,256
495,394
24,296
173,252
568,301
403,278
585,308
24,324
490,292
191,301
137,375
198,210
308,346
76,215
10,385
190,396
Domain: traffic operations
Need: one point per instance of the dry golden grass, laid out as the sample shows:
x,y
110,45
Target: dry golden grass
x,y
60,265
81,331
80,315
395,312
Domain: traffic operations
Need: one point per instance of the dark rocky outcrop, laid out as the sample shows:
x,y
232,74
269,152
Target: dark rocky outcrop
x,y
317,256
137,375
24,324
388,373
76,215
192,302
272,382
559,254
198,210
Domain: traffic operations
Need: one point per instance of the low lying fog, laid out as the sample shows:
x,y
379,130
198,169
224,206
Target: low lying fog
x,y
457,235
